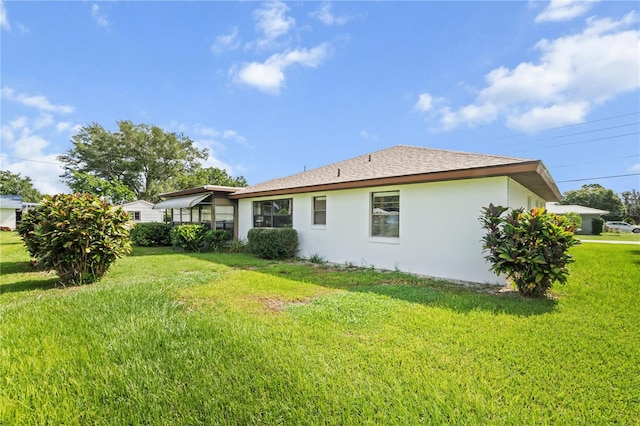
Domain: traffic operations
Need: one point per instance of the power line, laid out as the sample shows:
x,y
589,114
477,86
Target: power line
x,y
578,142
27,159
594,131
596,178
571,125
596,161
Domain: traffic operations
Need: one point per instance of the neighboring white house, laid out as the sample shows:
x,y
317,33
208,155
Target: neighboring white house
x,y
10,207
142,211
407,208
586,213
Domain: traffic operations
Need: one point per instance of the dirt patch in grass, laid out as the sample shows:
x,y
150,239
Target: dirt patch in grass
x,y
274,304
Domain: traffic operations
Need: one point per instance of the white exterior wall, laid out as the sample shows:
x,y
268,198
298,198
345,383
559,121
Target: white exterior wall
x,y
440,234
521,197
8,218
147,214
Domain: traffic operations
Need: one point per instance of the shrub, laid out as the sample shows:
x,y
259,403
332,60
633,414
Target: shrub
x,y
151,234
236,246
574,220
77,235
273,243
215,239
530,248
188,237
596,226
317,259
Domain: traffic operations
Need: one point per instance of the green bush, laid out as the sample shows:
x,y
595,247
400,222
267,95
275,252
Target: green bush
x,y
215,239
77,235
151,234
188,237
574,219
273,243
530,248
596,226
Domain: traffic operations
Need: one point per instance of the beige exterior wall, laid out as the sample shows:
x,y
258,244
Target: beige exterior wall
x,y
440,234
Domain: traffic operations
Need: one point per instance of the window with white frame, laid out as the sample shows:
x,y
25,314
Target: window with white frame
x,y
320,210
385,214
135,216
273,213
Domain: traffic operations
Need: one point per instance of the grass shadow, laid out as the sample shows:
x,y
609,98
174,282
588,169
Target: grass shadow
x,y
7,268
29,285
396,285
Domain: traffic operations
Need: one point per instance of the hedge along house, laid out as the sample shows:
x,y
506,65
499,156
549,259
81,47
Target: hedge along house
x,y
407,208
208,205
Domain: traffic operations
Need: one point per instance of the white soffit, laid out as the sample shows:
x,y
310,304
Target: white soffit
x,y
181,202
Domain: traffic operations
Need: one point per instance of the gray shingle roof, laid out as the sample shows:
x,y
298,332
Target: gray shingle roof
x,y
573,208
409,162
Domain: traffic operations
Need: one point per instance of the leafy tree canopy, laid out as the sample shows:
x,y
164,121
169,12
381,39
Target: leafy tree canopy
x,y
115,191
209,176
143,158
598,197
14,184
631,201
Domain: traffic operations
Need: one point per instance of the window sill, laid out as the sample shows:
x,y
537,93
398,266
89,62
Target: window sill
x,y
384,240
319,227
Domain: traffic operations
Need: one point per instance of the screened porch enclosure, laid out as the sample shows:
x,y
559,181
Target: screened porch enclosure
x,y
213,211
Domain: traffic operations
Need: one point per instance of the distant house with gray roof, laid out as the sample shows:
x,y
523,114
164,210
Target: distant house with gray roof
x,y
408,208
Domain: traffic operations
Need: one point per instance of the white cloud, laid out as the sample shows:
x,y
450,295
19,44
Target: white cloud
x,y
272,22
635,168
212,141
44,171
326,16
269,76
548,117
234,136
35,101
226,42
100,17
4,20
366,135
44,120
23,153
425,102
573,74
564,10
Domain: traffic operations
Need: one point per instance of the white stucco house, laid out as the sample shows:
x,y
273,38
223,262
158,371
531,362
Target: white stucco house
x,y
10,208
408,208
142,211
586,213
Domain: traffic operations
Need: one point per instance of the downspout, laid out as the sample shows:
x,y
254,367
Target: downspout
x,y
212,224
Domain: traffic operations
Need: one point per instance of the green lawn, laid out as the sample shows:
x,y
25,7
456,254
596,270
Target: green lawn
x,y
612,236
170,338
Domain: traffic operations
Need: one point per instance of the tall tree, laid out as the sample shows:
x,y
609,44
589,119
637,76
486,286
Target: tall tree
x,y
14,184
115,191
143,158
631,201
209,176
598,197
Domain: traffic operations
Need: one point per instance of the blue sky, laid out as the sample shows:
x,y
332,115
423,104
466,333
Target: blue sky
x,y
272,88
